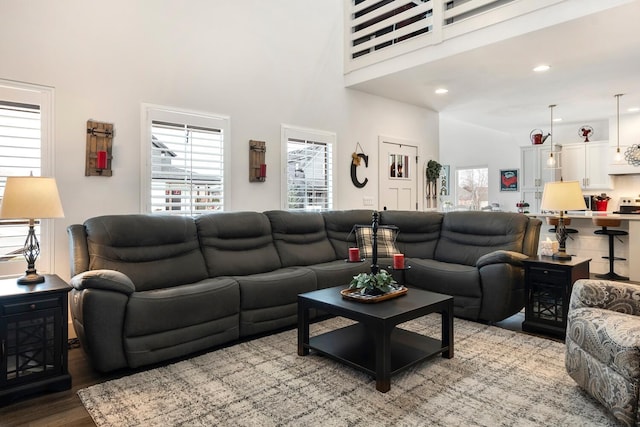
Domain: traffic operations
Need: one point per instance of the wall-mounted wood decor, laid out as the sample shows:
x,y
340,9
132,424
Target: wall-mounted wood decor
x,y
99,149
257,165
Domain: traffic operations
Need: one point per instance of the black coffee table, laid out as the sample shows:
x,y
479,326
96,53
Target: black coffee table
x,y
374,345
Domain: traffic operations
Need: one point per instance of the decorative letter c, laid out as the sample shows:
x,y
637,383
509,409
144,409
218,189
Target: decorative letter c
x,y
354,177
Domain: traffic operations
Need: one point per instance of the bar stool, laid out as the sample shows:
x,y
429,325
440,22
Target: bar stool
x,y
605,223
553,220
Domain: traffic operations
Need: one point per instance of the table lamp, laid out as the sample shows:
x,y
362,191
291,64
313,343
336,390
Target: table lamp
x,y
562,196
31,197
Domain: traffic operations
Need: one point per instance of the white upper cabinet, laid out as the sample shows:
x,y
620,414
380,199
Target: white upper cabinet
x,y
533,161
534,172
587,163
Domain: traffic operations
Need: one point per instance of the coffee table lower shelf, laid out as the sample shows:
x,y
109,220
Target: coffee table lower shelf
x,y
355,346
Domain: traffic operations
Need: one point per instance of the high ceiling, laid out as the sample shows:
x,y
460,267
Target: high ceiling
x,y
592,59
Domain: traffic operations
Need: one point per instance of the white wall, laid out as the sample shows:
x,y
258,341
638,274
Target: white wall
x,y
466,145
263,63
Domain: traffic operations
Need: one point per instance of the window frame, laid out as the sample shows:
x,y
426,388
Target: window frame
x,y
43,96
307,134
153,112
457,186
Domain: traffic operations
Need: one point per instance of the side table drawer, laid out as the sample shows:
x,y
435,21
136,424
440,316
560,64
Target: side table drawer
x,y
548,275
32,305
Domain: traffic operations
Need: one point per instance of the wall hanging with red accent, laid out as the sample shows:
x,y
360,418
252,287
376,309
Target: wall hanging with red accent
x,y
257,165
99,149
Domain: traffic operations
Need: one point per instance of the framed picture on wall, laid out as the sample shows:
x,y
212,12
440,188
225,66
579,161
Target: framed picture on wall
x,y
509,179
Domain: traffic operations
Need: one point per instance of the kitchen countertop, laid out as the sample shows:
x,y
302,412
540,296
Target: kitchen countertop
x,y
589,215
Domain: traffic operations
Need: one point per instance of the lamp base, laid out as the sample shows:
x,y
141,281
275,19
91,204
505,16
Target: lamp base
x,y
30,278
562,256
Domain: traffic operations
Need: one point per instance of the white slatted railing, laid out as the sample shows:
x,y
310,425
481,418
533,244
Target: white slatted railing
x,y
377,30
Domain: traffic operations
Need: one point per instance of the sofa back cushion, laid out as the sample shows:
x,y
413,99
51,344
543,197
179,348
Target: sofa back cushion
x,y
300,238
467,235
418,232
341,231
155,251
237,243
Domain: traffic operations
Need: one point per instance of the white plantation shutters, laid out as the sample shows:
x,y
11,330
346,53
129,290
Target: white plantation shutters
x,y
187,165
26,144
309,176
19,156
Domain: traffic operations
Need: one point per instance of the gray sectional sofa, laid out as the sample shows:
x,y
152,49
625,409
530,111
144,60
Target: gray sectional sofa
x,y
149,288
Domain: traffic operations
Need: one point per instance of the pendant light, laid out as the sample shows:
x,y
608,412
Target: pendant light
x,y
551,161
618,156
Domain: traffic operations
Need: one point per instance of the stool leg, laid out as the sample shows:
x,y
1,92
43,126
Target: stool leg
x,y
611,275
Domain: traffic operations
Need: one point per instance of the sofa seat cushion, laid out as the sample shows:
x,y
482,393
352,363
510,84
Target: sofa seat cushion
x,y
269,301
181,306
608,336
167,323
462,282
336,273
443,277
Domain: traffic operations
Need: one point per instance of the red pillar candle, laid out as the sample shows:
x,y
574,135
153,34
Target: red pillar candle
x,y
354,254
102,160
263,170
398,261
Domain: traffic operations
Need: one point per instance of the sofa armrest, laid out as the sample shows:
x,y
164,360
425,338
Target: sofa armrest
x,y
606,294
109,280
500,257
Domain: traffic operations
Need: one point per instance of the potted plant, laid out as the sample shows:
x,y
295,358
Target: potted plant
x,y
432,174
374,283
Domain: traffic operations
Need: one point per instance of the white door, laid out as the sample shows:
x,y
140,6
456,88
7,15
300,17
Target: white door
x,y
398,174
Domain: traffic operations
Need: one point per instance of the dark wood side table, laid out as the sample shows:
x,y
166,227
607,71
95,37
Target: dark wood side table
x,y
33,337
548,284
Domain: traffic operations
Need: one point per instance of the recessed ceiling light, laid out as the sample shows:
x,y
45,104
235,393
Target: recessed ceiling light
x,y
441,91
541,68
633,109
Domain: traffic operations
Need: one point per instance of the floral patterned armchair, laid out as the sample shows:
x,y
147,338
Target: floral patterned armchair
x,y
603,344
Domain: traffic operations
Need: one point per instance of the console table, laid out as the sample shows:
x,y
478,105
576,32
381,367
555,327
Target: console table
x,y
548,284
33,337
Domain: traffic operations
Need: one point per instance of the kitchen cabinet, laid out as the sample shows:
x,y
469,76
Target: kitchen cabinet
x,y
587,163
622,166
534,172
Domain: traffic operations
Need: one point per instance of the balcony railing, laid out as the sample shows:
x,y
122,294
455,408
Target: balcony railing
x,y
377,30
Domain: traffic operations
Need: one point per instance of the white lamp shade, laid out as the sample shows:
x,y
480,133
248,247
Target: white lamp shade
x,y
562,196
31,197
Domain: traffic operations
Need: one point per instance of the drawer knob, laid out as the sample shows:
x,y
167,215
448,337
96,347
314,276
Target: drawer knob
x,y
32,306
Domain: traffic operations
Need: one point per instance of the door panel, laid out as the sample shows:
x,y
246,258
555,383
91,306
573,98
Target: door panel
x,y
398,174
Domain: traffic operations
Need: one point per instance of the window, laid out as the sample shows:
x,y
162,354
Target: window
x,y
25,135
308,184
472,189
186,153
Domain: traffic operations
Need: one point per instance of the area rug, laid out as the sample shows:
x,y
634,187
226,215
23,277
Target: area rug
x,y
496,378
